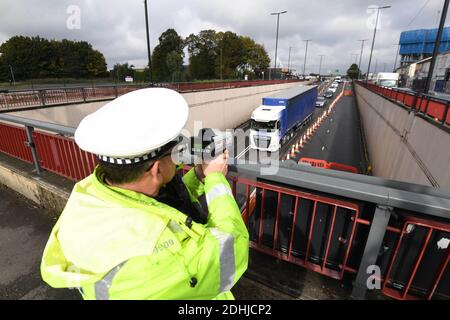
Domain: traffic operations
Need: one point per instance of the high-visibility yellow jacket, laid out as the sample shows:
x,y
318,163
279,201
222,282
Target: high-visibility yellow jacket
x,y
113,243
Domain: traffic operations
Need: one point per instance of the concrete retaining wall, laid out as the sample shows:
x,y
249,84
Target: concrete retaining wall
x,y
47,191
403,146
221,109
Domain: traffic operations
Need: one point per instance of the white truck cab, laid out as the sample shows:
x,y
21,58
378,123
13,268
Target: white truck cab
x,y
265,128
387,79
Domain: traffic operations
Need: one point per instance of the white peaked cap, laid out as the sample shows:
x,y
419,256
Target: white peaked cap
x,y
135,125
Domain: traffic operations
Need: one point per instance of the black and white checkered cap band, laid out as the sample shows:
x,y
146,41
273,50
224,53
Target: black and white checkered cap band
x,y
125,161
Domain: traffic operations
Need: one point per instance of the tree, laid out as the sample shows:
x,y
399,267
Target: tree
x,y
36,57
120,71
203,52
168,56
255,58
353,71
230,52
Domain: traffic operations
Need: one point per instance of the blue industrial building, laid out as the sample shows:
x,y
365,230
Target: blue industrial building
x,y
416,45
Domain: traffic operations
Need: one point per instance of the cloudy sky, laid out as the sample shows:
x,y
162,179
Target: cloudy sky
x,y
117,27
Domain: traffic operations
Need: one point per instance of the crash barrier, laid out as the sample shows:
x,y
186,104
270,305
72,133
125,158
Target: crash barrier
x,y
23,99
329,165
426,105
334,223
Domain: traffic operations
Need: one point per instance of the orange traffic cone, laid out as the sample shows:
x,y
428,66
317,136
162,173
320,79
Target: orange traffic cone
x,y
293,152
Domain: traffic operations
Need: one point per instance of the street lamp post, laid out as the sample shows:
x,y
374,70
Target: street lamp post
x,y
360,56
320,65
221,73
436,46
148,44
12,75
289,60
373,40
306,54
354,55
276,43
396,56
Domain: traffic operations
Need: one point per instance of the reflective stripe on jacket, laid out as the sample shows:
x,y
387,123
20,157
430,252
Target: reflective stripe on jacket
x,y
118,244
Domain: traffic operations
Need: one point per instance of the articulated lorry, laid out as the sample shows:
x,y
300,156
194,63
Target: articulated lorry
x,y
280,115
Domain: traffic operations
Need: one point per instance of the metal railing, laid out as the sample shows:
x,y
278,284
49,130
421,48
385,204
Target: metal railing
x,y
327,221
26,99
430,107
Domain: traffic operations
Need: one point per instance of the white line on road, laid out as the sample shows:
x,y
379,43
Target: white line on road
x,y
243,153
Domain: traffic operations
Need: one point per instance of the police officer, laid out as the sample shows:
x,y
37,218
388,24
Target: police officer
x,y
118,239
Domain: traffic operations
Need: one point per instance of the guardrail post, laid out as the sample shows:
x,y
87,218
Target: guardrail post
x,y
426,106
447,106
83,93
42,97
6,100
413,106
371,250
30,144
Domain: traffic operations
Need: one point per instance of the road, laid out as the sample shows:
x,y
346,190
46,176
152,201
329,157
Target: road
x,y
251,156
24,231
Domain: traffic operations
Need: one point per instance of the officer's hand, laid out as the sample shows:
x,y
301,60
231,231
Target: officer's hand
x,y
219,164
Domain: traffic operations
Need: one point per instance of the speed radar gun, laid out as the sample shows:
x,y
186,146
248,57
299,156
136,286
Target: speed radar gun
x,y
209,144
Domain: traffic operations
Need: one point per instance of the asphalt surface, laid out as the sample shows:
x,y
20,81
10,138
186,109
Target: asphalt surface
x,y
23,234
338,139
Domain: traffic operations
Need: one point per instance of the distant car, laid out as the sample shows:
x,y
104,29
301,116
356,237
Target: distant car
x,y
320,102
335,85
332,89
328,94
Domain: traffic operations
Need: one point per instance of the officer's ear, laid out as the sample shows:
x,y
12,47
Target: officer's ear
x,y
154,169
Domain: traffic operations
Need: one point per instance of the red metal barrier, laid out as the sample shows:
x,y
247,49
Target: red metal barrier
x,y
432,107
62,156
35,98
315,162
333,237
341,167
430,231
19,99
329,165
12,142
436,110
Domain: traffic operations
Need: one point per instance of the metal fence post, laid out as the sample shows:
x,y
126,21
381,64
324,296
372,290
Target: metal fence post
x,y
41,95
373,245
6,100
444,120
30,144
83,93
426,106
